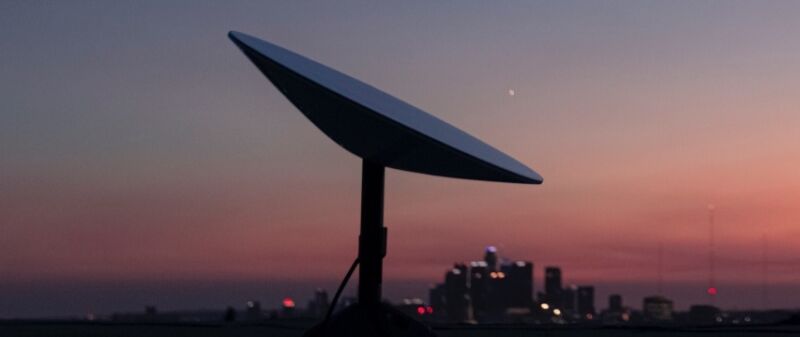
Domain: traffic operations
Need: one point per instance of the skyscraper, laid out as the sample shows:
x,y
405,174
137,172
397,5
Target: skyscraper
x,y
615,303
586,302
552,286
456,295
616,313
491,258
479,288
519,290
569,299
437,298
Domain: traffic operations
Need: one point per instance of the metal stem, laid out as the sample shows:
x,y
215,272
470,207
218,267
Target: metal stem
x,y
372,241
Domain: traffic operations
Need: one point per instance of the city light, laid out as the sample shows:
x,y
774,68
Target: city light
x,y
557,312
545,306
288,303
421,310
712,291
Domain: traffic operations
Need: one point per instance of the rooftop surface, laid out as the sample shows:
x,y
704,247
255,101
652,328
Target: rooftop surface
x,y
296,328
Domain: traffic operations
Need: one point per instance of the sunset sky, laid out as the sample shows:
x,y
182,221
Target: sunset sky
x,y
141,152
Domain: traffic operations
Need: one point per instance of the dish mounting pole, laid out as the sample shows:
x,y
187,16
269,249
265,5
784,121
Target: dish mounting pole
x,y
372,240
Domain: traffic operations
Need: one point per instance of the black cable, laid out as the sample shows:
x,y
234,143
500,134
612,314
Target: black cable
x,y
339,291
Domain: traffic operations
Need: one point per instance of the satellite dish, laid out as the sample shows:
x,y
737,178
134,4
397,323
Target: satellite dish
x,y
385,132
376,126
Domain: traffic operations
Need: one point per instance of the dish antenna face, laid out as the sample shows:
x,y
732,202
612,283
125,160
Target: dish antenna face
x,y
376,126
385,132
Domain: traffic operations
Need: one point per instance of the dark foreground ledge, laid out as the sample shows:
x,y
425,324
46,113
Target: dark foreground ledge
x,y
25,328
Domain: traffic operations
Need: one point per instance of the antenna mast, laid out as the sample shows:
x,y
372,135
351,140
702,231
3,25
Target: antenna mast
x,y
764,274
712,284
660,268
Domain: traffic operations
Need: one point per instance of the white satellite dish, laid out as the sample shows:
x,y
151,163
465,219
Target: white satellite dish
x,y
385,132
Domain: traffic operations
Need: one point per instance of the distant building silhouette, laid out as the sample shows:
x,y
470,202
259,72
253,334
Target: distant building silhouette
x,y
552,287
490,256
230,315
416,307
616,313
704,314
456,293
497,288
586,308
493,291
569,299
520,284
479,289
657,309
437,298
615,303
481,292
319,305
150,314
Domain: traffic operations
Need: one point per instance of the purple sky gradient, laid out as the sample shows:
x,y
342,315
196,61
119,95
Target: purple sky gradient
x,y
138,145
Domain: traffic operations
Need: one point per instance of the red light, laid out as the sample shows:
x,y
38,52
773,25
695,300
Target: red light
x,y
712,291
421,310
288,303
429,310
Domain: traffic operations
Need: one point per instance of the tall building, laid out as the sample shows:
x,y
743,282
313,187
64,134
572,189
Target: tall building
x,y
657,309
486,291
456,293
479,291
519,279
615,303
569,299
552,286
616,313
586,302
497,299
437,297
490,256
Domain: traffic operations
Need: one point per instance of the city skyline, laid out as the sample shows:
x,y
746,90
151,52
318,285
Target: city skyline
x,y
139,148
547,286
